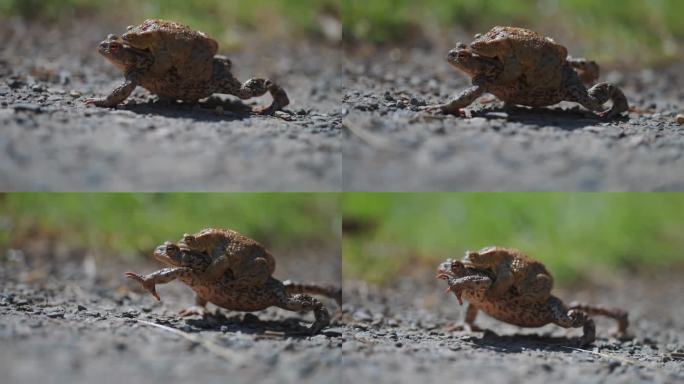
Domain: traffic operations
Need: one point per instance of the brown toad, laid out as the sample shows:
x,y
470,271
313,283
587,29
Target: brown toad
x,y
189,267
177,63
248,261
512,268
472,285
522,67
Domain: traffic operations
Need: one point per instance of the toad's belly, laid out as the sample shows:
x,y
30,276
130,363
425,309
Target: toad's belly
x,y
515,312
531,98
240,298
174,87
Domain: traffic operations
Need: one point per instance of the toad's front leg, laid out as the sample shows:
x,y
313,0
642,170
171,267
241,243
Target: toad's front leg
x,y
118,95
472,283
162,276
462,100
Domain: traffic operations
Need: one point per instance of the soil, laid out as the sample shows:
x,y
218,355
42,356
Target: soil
x,y
390,145
69,316
399,334
52,141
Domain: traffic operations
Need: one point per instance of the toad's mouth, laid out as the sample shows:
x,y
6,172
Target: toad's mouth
x,y
160,255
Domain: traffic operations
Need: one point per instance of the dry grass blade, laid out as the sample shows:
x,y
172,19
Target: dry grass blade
x,y
608,356
210,346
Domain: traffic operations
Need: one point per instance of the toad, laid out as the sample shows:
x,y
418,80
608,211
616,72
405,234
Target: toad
x,y
188,267
472,285
175,62
522,67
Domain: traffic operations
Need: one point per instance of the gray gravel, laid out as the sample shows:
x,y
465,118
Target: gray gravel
x,y
76,320
390,145
397,334
51,141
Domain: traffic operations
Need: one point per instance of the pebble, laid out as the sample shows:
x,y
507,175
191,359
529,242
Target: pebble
x,y
30,107
75,94
679,119
55,313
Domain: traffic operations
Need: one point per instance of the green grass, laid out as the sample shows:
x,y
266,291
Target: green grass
x,y
607,30
216,17
574,234
131,224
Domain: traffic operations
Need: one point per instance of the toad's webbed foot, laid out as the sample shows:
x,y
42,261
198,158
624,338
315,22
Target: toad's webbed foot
x,y
305,303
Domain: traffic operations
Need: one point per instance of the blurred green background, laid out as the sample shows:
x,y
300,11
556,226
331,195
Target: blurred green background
x,y
614,31
131,225
575,234
222,19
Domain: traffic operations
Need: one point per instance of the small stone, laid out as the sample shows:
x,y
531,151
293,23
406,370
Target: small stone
x,y
81,308
249,318
130,314
37,88
680,119
301,112
75,94
26,107
55,313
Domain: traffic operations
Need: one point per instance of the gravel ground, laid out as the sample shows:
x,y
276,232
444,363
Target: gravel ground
x,y
51,141
390,145
68,319
398,334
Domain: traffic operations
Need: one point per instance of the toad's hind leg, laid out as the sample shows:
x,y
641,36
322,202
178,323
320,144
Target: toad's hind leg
x,y
587,70
332,292
594,98
225,82
537,288
504,280
618,315
573,318
305,303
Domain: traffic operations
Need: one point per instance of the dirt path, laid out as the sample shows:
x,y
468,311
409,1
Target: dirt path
x,y
389,145
76,321
397,335
52,141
